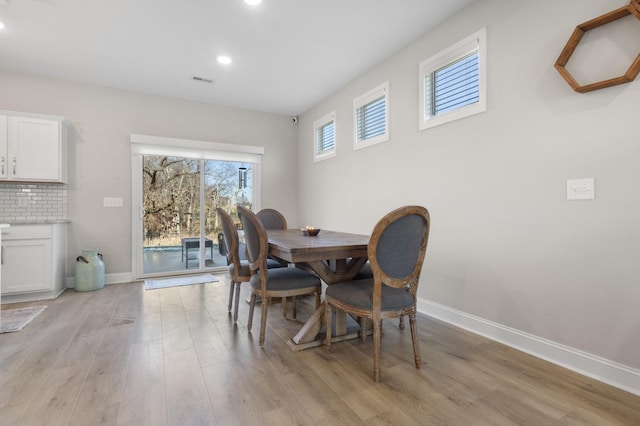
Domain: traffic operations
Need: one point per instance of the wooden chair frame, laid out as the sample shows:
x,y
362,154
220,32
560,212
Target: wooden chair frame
x,y
380,278
259,264
232,242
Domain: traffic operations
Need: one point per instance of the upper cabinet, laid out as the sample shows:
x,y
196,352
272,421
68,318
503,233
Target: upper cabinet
x,y
33,148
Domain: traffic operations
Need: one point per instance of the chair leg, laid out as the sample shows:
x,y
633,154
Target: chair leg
x,y
363,328
414,338
376,349
294,308
401,324
233,285
284,307
237,302
252,305
263,321
327,324
318,295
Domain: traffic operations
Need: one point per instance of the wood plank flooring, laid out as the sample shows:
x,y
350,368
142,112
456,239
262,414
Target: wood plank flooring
x,y
126,356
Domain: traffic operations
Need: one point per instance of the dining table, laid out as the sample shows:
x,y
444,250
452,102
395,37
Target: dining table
x,y
335,257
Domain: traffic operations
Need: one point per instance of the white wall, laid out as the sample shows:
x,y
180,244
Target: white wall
x,y
506,246
101,122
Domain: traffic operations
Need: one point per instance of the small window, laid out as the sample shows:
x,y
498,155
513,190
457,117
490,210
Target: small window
x,y
324,137
371,116
452,83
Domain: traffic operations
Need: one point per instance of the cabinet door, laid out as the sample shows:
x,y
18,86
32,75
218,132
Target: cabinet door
x,y
34,149
4,138
26,266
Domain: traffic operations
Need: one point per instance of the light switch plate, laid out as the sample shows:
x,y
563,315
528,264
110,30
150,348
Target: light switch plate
x,y
580,189
112,202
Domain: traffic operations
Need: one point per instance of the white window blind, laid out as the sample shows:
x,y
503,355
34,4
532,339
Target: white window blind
x,y
371,116
453,86
371,119
324,137
452,82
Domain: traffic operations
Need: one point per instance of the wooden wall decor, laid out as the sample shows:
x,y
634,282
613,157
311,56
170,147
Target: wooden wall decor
x,y
633,8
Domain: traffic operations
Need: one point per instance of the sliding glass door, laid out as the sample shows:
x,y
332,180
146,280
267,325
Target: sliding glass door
x,y
181,230
177,186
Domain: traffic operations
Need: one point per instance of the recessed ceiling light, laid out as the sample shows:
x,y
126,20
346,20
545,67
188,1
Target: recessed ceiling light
x,y
1,25
225,60
253,2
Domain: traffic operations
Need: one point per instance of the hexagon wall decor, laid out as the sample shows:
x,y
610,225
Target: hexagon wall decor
x,y
633,8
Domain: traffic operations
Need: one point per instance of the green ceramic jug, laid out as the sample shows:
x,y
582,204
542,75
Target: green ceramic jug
x,y
89,271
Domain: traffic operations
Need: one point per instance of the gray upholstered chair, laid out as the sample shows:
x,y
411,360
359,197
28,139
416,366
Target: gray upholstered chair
x,y
366,274
272,219
268,283
239,270
396,251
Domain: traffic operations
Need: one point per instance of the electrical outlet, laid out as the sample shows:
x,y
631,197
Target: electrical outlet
x,y
112,202
580,189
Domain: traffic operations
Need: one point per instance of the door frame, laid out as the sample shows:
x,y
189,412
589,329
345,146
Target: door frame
x,y
201,150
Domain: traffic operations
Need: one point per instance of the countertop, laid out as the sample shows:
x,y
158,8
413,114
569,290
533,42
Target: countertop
x,y
38,222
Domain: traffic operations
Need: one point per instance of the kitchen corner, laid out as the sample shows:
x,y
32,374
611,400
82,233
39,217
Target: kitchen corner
x,y
33,201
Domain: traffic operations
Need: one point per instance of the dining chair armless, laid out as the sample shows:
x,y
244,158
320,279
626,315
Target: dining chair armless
x,y
272,219
268,283
239,270
396,251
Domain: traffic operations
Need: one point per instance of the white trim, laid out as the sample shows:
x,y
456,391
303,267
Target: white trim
x,y
210,146
373,94
451,54
319,123
121,277
598,368
156,145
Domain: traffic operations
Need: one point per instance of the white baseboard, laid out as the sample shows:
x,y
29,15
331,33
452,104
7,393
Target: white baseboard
x,y
123,277
601,369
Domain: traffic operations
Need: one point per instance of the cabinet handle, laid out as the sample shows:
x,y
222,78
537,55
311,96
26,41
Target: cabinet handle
x,y
14,166
2,165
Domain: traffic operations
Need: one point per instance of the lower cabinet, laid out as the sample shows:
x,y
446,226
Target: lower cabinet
x,y
33,261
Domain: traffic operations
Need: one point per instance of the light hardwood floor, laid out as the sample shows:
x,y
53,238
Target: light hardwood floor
x,y
123,355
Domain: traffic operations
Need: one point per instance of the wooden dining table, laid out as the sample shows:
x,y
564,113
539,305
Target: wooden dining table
x,y
335,257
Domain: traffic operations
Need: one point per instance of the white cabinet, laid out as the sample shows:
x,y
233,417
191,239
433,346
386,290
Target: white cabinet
x,y
33,261
33,148
2,226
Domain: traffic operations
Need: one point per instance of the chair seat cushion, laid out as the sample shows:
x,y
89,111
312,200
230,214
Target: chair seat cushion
x,y
273,264
359,295
244,269
282,279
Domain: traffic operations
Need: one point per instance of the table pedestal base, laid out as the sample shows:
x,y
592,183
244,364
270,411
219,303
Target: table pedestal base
x,y
311,334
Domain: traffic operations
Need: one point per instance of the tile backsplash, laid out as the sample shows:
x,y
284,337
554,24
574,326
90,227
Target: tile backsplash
x,y
32,202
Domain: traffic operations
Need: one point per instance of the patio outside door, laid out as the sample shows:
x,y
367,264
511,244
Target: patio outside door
x,y
179,197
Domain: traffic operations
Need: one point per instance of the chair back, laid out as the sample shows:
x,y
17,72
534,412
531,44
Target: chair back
x,y
231,242
397,247
272,219
256,240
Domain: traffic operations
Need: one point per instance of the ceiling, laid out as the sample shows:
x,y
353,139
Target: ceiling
x,y
287,54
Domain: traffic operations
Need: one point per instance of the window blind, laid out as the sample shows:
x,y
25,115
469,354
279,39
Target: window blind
x,y
453,86
325,138
371,119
